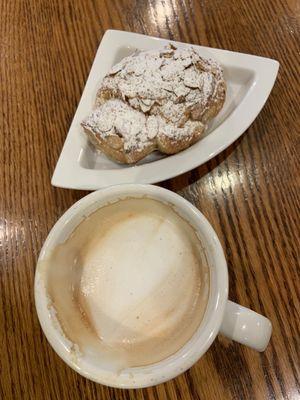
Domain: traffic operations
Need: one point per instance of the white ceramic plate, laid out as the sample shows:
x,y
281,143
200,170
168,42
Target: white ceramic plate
x,y
249,82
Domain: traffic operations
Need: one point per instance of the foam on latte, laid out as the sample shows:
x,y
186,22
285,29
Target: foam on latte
x,y
130,283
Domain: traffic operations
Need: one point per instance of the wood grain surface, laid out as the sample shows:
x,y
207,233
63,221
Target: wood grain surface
x,y
249,193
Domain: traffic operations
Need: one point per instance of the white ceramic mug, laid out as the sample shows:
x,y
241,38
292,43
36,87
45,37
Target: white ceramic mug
x,y
221,316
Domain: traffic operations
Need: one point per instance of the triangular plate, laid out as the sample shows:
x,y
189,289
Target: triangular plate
x,y
249,82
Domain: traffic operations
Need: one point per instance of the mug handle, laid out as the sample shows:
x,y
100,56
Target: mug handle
x,y
246,326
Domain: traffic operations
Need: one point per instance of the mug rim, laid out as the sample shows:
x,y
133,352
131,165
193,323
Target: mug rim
x,y
185,357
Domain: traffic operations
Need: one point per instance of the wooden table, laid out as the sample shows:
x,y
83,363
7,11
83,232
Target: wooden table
x,y
249,193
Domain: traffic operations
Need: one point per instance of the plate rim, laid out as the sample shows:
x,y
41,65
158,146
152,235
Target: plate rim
x,y
265,71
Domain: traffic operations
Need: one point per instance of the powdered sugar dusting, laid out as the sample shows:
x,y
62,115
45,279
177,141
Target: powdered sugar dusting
x,y
116,118
156,93
166,77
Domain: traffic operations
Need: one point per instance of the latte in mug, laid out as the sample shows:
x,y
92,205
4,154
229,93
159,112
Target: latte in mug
x,y
130,284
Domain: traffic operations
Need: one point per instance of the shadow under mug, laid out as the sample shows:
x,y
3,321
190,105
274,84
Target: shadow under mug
x,y
221,316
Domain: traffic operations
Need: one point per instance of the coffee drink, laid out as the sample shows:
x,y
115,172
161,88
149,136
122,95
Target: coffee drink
x,y
130,284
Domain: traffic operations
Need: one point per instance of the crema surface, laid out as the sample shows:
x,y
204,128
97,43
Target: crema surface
x,y
131,283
